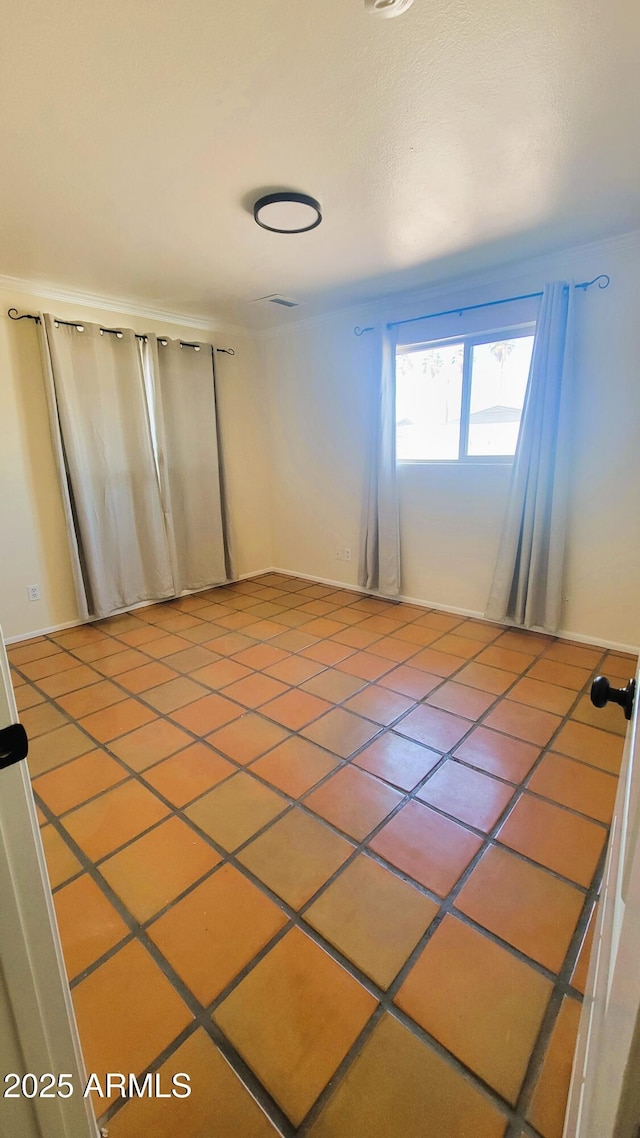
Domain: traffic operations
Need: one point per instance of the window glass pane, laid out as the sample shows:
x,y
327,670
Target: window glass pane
x,y
428,402
499,374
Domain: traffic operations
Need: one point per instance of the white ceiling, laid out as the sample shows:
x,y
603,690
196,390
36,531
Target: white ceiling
x,y
134,136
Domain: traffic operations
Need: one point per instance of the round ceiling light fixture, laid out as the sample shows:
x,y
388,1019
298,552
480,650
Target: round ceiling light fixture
x,y
387,8
287,212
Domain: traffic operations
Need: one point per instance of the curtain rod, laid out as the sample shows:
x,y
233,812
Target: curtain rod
x,y
604,280
12,313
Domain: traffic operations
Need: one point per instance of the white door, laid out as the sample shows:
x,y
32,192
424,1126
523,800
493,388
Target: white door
x,y
38,1035
604,1098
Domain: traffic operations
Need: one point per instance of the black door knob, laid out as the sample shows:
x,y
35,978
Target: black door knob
x,y
602,693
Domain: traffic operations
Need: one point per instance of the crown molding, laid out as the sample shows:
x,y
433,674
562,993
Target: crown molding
x,y
128,307
380,307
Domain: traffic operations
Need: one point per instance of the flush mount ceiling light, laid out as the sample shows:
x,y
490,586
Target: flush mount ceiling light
x,y
387,8
287,212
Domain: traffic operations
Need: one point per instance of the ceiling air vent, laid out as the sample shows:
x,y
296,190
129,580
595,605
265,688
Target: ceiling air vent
x,y
276,298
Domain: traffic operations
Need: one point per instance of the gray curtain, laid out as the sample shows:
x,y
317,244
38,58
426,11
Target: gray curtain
x,y
379,567
527,582
181,390
102,440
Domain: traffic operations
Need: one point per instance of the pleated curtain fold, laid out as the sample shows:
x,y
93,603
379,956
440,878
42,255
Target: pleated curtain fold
x,y
527,584
379,567
181,386
142,497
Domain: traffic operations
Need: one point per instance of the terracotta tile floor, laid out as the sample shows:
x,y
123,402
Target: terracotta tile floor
x,y
334,857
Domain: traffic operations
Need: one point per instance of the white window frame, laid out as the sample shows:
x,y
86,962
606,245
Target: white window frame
x,y
511,332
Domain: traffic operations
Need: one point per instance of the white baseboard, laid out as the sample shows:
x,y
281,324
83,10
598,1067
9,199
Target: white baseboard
x,y
563,634
131,608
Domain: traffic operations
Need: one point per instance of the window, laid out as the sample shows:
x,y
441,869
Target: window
x,y
462,399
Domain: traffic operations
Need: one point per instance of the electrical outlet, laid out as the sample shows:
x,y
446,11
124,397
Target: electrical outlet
x,y
338,554
33,592
346,553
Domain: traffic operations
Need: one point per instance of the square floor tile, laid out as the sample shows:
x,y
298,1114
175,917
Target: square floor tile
x,y
228,919
174,694
247,738
295,856
293,670
221,674
88,924
49,666
505,658
35,649
62,863
523,905
341,732
364,665
107,724
140,636
549,1101
327,652
71,784
334,685
434,728
295,709
294,766
379,704
549,697
354,801
391,648
397,760
220,1095
576,785
398,1087
260,656
109,821
56,747
190,772
150,872
256,689
438,663
481,676
167,646
461,700
147,676
119,662
127,1013
156,740
471,797
191,658
564,675
412,682
498,754
207,714
95,697
479,1001
599,748
426,846
524,722
373,917
233,812
42,718
293,1019
554,837
457,645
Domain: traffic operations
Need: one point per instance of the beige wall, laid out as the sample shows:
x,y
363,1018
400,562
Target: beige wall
x,y
33,541
451,516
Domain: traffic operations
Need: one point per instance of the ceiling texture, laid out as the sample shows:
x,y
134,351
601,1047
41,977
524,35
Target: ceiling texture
x,y
135,136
